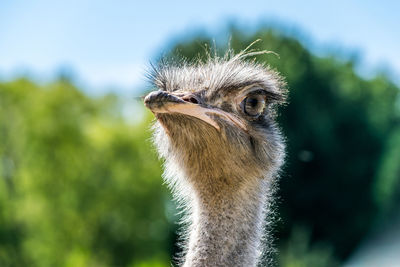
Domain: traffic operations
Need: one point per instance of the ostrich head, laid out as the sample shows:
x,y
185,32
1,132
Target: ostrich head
x,y
216,120
216,131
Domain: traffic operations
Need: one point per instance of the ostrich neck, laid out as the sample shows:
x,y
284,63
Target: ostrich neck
x,y
227,225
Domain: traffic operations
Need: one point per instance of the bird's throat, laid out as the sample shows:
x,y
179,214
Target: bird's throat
x,y
227,228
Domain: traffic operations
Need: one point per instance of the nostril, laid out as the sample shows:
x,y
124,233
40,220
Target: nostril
x,y
191,99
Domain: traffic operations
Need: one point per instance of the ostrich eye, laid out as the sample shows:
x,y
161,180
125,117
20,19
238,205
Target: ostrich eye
x,y
253,105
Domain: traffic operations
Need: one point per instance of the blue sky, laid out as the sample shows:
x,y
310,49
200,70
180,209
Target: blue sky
x,y
109,43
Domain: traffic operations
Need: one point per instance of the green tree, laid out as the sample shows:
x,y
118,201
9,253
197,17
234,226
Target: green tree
x,y
80,186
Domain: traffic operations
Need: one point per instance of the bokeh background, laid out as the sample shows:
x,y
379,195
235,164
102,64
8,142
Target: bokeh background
x,y
80,183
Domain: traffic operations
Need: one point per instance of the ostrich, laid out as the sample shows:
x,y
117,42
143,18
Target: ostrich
x,y
216,131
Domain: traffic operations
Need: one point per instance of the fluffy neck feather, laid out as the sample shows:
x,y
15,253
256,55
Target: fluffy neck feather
x,y
227,226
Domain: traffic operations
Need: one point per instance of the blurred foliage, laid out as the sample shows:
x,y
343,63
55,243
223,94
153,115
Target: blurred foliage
x,y
78,185
81,186
298,252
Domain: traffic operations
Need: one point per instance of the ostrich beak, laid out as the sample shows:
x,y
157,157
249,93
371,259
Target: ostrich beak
x,y
164,102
